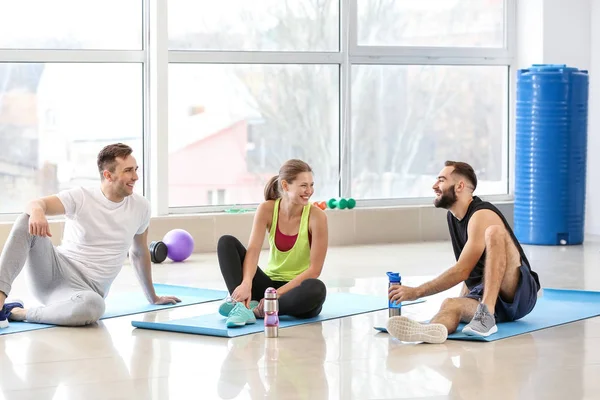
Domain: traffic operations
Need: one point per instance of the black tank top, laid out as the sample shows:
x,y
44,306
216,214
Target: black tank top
x,y
458,233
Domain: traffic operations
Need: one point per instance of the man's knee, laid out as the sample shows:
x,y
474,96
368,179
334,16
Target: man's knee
x,y
451,305
461,308
21,223
88,308
495,235
448,304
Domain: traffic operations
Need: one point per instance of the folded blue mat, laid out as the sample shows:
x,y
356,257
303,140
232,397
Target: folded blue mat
x,y
120,304
555,307
337,305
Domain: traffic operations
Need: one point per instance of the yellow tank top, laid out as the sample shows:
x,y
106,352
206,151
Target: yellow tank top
x,y
286,265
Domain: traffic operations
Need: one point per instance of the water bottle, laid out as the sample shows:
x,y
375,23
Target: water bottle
x,y
271,308
394,309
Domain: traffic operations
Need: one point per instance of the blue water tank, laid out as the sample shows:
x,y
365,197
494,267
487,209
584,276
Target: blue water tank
x,y
551,148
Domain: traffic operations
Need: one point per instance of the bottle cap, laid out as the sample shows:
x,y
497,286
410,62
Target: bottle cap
x,y
270,293
394,276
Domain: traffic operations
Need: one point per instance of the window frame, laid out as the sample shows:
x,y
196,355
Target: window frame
x,y
350,54
155,58
84,56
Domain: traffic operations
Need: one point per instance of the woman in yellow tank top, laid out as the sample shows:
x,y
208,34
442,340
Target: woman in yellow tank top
x,y
298,239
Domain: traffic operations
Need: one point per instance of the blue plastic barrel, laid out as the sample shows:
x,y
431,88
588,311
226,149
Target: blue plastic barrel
x,y
551,148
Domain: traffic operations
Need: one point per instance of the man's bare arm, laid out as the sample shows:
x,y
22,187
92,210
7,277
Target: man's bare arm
x,y
50,205
38,210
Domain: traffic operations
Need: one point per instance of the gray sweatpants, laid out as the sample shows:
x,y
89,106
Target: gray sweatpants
x,y
58,284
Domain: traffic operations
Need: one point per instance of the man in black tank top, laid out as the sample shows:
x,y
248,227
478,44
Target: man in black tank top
x,y
499,284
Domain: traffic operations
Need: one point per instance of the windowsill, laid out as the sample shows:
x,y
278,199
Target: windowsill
x,y
359,226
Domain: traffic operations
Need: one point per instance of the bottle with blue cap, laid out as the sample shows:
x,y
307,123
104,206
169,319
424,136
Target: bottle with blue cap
x,y
394,309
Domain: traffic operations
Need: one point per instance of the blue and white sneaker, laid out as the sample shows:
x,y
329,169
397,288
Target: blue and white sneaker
x,y
7,310
240,316
228,304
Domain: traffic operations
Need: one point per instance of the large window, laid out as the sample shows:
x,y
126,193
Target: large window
x,y
55,117
431,23
374,94
71,82
71,24
265,25
407,120
214,96
232,126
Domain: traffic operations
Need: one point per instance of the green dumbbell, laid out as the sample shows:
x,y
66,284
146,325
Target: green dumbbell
x,y
341,203
332,203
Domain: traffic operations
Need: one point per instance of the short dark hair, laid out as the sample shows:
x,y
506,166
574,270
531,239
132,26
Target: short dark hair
x,y
109,154
463,169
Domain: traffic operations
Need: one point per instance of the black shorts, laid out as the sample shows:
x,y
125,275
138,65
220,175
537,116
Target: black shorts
x,y
524,301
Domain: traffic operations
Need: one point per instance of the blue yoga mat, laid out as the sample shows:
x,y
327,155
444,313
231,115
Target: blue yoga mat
x,y
337,305
555,307
120,304
16,327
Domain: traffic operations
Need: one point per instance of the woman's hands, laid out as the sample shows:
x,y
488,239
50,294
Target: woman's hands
x,y
243,293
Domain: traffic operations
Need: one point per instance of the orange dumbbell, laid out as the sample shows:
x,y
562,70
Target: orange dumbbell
x,y
322,205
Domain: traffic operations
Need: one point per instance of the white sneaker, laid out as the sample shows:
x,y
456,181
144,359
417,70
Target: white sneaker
x,y
407,330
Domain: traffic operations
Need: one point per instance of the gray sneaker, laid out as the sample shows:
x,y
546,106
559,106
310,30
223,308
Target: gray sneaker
x,y
482,324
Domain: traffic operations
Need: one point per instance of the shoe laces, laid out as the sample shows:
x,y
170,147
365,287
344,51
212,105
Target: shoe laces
x,y
480,315
239,310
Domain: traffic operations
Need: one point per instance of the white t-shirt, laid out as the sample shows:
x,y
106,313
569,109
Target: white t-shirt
x,y
99,232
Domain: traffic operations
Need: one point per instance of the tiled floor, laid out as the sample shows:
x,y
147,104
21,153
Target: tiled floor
x,y
339,359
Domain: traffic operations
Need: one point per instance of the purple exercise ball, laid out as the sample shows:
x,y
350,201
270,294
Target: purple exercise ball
x,y
180,244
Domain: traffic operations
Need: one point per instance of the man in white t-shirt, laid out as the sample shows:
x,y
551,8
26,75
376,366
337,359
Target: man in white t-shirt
x,y
103,224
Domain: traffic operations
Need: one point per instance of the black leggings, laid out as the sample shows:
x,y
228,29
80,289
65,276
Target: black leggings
x,y
303,301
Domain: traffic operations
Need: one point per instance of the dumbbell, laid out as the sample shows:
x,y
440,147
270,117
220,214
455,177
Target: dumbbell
x,y
342,203
321,204
158,251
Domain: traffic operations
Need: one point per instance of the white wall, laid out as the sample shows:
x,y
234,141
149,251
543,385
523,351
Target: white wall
x,y
568,32
554,32
593,166
530,32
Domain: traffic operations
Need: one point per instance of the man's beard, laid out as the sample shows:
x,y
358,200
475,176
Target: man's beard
x,y
447,199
